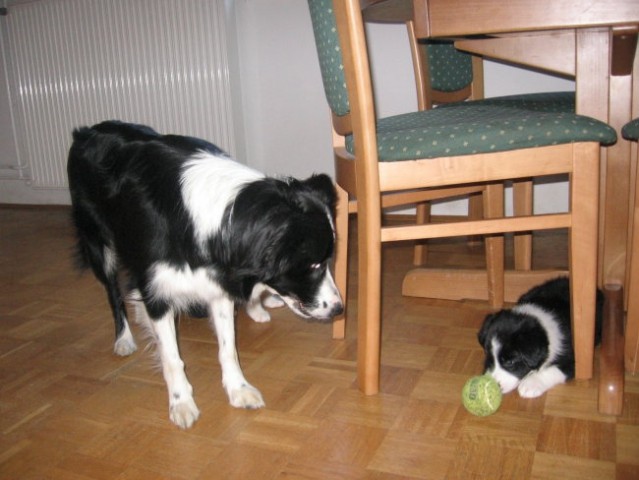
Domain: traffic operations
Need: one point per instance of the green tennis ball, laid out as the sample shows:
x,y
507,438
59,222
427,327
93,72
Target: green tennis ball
x,y
481,395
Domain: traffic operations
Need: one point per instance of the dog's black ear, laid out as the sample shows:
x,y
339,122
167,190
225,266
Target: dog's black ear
x,y
323,187
533,354
485,328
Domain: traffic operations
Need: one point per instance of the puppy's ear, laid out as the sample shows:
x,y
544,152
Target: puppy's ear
x,y
323,188
482,335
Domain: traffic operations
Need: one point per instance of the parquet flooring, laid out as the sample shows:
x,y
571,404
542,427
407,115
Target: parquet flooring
x,y
70,409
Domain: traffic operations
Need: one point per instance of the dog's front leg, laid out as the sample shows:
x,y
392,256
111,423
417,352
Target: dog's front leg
x,y
182,408
241,393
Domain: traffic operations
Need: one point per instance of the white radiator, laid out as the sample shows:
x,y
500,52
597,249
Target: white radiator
x,y
77,62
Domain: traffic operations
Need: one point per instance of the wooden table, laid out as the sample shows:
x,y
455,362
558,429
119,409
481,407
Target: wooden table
x,y
593,41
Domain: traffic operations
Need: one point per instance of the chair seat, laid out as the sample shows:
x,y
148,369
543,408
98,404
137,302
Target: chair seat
x,y
631,130
484,126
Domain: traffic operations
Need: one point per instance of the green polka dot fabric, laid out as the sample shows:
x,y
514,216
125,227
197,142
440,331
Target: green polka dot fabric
x,y
471,128
463,128
450,70
330,55
630,130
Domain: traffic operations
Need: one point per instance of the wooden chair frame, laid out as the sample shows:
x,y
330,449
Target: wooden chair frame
x,y
427,98
375,179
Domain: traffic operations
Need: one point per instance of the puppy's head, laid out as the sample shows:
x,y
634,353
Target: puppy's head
x,y
286,237
514,344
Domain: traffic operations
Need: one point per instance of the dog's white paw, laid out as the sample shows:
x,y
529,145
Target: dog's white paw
x,y
273,301
257,313
184,413
246,396
532,387
125,345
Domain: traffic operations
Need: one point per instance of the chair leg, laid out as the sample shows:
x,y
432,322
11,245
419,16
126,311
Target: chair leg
x,y
475,212
369,297
584,207
422,216
523,205
341,259
494,244
632,320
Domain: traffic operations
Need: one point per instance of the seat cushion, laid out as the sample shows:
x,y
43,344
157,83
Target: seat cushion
x,y
468,128
631,130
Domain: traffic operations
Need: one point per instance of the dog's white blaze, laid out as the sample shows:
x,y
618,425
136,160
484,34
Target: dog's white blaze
x,y
328,296
506,380
549,324
209,183
326,300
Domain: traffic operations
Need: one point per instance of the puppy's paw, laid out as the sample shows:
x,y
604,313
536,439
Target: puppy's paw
x,y
246,396
184,413
532,387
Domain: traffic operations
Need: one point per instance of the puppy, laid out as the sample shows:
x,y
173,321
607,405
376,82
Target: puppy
x,y
196,232
529,347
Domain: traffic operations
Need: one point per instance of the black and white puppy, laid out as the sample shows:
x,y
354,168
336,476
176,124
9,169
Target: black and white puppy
x,y
196,232
529,347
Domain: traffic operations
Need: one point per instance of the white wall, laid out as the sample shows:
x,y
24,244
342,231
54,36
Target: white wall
x,y
283,124
286,117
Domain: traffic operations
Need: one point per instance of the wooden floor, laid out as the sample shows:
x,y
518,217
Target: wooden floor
x,y
70,409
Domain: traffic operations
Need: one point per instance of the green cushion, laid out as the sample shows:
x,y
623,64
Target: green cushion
x,y
330,55
450,70
477,127
631,130
461,129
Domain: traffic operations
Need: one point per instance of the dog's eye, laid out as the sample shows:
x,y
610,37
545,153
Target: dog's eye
x,y
316,266
508,362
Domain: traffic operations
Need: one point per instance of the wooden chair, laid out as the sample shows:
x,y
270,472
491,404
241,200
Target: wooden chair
x,y
445,75
456,147
631,132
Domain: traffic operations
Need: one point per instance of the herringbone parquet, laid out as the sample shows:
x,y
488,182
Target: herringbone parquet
x,y
70,409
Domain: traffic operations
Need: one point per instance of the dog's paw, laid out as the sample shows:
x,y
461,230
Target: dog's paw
x,y
125,345
273,301
257,313
532,387
246,396
184,413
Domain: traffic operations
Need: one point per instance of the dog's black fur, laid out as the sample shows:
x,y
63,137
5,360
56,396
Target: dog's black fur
x,y
533,337
194,230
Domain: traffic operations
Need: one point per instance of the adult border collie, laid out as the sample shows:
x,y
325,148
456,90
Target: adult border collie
x,y
196,232
529,347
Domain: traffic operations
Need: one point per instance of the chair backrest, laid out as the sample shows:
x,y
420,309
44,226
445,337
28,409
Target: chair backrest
x,y
329,52
450,70
442,73
341,45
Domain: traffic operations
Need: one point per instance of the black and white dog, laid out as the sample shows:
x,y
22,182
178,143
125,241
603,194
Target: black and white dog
x,y
196,232
529,347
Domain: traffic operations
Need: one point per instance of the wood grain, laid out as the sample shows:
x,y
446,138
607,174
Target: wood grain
x,y
70,409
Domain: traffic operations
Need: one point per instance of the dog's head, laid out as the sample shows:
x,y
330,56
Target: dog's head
x,y
514,344
283,235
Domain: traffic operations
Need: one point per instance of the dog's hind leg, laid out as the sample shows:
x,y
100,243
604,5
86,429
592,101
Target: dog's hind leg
x,y
182,408
241,393
93,252
124,343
